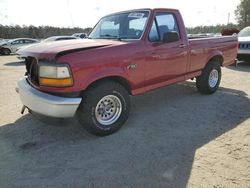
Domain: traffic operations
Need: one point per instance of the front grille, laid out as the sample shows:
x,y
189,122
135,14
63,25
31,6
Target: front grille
x,y
244,45
32,69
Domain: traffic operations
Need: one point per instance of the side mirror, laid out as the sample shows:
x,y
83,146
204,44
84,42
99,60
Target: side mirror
x,y
169,37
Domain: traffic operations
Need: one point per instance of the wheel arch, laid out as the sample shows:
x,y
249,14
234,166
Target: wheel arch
x,y
119,79
216,56
5,48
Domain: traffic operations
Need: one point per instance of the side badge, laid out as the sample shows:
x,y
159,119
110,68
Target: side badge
x,y
132,66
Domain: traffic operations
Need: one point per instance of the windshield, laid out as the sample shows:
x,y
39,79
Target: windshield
x,y
244,32
129,25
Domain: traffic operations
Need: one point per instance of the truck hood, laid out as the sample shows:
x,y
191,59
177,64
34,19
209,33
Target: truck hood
x,y
50,50
244,39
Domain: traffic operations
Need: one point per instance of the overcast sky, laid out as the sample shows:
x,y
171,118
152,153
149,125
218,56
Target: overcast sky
x,y
80,13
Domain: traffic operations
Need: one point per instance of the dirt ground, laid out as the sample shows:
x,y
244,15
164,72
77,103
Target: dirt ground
x,y
174,137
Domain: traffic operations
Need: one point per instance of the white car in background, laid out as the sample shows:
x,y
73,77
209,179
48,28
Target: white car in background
x,y
80,35
244,45
11,46
59,38
2,40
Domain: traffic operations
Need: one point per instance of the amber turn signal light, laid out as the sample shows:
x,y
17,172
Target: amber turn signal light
x,y
56,82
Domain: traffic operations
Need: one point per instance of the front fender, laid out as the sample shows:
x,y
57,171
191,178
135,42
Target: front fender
x,y
5,47
102,74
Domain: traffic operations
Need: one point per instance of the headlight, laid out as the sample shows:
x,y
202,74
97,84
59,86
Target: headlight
x,y
55,75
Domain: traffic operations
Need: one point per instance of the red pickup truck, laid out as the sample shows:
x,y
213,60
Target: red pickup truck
x,y
127,53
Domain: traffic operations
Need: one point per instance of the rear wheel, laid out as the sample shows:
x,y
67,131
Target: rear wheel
x,y
209,81
104,109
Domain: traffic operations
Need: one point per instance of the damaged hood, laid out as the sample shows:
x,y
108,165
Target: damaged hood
x,y
51,50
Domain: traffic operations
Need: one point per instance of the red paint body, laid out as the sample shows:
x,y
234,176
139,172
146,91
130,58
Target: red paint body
x,y
158,64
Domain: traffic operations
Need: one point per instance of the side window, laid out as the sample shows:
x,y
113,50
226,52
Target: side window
x,y
28,41
165,22
153,34
15,42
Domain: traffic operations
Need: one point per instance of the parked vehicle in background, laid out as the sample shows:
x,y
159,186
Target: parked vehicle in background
x,y
127,53
80,35
11,46
2,40
244,45
59,38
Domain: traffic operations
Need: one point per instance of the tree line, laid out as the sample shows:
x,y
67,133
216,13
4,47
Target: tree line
x,y
41,32
211,29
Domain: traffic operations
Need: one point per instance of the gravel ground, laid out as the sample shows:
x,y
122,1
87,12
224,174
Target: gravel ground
x,y
174,137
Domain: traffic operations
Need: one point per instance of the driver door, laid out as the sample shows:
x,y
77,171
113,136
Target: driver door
x,y
165,61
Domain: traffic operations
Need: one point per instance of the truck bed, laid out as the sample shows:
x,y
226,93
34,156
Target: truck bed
x,y
203,49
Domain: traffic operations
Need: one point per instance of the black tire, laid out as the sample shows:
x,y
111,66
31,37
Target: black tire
x,y
88,114
5,51
202,82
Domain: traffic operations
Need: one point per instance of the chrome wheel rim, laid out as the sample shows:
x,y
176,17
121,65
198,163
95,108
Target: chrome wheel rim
x,y
213,78
108,110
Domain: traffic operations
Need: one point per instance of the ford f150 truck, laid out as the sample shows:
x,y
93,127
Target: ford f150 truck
x,y
127,53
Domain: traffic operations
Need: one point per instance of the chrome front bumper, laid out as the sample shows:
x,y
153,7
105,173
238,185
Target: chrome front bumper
x,y
46,104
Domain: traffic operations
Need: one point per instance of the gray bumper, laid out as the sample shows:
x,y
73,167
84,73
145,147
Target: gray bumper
x,y
46,104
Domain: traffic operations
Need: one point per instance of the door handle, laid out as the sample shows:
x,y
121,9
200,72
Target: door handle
x,y
156,56
182,46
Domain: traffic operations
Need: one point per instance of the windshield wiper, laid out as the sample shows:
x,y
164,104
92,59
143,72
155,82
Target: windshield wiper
x,y
108,36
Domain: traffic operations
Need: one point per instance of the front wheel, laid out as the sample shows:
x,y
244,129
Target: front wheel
x,y
209,81
5,51
104,109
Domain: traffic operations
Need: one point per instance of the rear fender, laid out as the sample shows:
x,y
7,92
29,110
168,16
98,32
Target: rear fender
x,y
215,56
